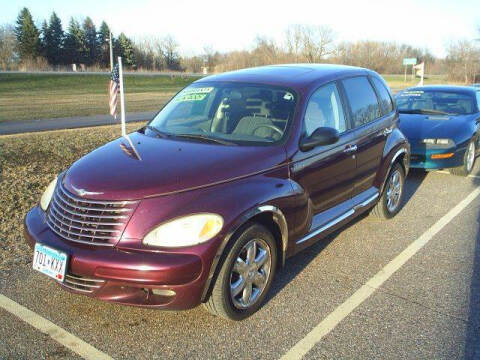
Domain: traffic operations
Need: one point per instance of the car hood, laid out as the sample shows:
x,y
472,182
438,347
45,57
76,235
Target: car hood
x,y
114,171
419,126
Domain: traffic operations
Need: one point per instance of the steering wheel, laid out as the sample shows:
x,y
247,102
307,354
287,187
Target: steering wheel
x,y
272,127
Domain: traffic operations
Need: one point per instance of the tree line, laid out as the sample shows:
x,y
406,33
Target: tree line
x,y
50,46
81,43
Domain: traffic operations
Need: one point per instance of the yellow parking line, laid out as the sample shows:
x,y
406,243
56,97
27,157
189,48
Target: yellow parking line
x,y
58,334
341,312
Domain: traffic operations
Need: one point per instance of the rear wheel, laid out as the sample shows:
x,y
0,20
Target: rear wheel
x,y
245,276
468,161
390,201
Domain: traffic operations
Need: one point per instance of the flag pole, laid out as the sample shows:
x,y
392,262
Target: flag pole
x,y
122,111
122,97
111,52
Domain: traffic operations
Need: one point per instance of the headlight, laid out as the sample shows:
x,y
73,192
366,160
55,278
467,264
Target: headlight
x,y
438,142
47,195
185,231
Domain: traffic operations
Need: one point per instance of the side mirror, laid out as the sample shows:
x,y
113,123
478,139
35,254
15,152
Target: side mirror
x,y
321,136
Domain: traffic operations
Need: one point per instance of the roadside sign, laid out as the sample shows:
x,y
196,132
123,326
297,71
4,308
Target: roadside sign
x,y
409,61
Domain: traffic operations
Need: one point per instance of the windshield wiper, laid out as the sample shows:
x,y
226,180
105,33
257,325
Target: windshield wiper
x,y
205,138
423,111
158,132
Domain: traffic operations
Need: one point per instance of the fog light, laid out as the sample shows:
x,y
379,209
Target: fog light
x,y
442,156
163,292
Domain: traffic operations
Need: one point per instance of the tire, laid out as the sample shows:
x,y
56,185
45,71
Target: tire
x,y
468,161
388,206
222,301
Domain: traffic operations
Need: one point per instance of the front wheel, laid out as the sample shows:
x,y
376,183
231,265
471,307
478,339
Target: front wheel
x,y
246,274
390,202
468,161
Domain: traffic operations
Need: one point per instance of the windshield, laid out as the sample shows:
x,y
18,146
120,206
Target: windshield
x,y
434,102
227,113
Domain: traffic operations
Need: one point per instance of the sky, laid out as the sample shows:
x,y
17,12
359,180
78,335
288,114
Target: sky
x,y
233,25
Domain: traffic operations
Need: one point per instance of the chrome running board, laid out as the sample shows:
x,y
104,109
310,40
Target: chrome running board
x,y
338,219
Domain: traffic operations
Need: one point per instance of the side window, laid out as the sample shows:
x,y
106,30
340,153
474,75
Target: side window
x,y
362,98
385,99
324,109
478,100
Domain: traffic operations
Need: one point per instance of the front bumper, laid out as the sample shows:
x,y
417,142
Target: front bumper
x,y
141,278
422,158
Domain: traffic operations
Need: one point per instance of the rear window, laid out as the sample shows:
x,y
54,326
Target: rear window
x,y
385,99
362,99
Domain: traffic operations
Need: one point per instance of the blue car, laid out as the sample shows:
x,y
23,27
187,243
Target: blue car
x,y
442,124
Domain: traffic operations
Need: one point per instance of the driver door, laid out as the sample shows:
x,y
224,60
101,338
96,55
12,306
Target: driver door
x,y
326,173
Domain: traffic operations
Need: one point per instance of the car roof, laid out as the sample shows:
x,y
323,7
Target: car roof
x,y
450,88
295,76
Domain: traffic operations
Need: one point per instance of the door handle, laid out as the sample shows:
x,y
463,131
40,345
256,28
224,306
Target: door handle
x,y
387,131
350,149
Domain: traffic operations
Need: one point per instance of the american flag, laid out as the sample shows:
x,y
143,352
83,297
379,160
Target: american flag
x,y
113,91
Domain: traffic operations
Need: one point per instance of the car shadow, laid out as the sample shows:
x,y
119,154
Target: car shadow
x,y
296,264
472,337
414,180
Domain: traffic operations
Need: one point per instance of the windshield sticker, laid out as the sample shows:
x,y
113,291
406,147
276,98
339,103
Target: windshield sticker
x,y
191,97
412,93
203,90
194,94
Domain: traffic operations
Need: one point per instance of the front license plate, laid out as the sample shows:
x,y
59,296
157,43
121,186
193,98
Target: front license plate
x,y
50,262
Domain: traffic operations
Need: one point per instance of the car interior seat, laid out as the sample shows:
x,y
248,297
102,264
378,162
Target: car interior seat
x,y
259,126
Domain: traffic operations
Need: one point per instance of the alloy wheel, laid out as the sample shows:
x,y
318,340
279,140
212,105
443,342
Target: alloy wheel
x,y
250,273
470,156
394,190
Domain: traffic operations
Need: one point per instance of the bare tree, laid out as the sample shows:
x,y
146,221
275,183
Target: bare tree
x,y
8,44
169,48
293,40
463,57
211,58
265,51
309,43
193,64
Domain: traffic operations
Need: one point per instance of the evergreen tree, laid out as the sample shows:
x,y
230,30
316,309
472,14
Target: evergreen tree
x,y
76,51
127,51
27,35
43,37
103,56
52,40
91,40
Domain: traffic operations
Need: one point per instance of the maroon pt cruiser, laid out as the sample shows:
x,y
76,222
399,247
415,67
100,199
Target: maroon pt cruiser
x,y
238,172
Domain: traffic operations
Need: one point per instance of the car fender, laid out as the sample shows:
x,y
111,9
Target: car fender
x,y
278,218
465,134
396,147
237,202
281,205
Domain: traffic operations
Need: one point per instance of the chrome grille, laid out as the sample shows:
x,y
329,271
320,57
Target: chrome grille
x,y
87,221
82,283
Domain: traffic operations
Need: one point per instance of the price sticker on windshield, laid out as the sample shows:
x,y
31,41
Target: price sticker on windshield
x,y
194,94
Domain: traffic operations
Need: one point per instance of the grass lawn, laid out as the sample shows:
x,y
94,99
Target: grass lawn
x,y
28,162
37,96
40,96
397,82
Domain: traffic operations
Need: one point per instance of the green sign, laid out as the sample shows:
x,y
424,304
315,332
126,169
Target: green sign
x,y
409,61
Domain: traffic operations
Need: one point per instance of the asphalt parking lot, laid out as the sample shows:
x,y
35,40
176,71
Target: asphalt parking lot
x,y
429,308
